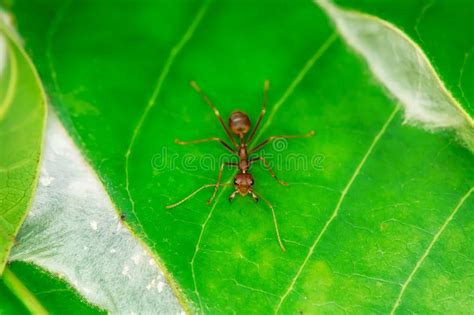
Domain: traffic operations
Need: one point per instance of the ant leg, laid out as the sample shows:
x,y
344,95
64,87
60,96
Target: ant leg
x,y
194,193
206,99
265,142
254,196
228,147
219,177
232,196
268,168
274,220
266,85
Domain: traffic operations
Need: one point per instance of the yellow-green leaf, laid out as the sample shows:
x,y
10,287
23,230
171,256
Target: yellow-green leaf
x,y
22,117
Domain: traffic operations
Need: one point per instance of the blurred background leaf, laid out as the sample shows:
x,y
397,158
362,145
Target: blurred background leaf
x,y
22,117
23,288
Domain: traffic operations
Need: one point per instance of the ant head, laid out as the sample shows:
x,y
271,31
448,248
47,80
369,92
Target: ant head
x,y
239,123
243,183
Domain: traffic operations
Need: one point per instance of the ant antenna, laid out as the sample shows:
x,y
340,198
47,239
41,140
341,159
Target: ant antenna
x,y
206,99
274,220
194,193
266,85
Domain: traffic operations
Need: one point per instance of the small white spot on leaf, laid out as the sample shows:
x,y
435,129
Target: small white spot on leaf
x,y
136,259
46,180
94,225
125,272
151,285
160,286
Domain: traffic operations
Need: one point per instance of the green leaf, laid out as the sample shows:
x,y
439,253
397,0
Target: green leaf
x,y
9,303
41,292
376,215
443,30
400,64
22,116
74,232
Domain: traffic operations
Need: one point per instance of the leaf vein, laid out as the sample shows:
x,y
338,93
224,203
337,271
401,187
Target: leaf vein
x,y
198,243
296,81
467,55
336,209
428,249
152,100
424,9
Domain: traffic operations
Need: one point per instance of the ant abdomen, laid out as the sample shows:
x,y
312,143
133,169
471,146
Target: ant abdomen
x,y
239,123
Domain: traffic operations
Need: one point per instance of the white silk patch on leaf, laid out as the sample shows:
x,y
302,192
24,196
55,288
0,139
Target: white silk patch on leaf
x,y
404,69
6,22
3,56
74,231
3,44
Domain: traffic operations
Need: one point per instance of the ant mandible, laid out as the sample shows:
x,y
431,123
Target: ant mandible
x,y
239,124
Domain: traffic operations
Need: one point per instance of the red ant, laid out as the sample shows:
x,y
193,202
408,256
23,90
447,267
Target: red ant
x,y
239,123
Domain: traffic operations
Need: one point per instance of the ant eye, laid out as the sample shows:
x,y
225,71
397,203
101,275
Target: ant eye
x,y
251,182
